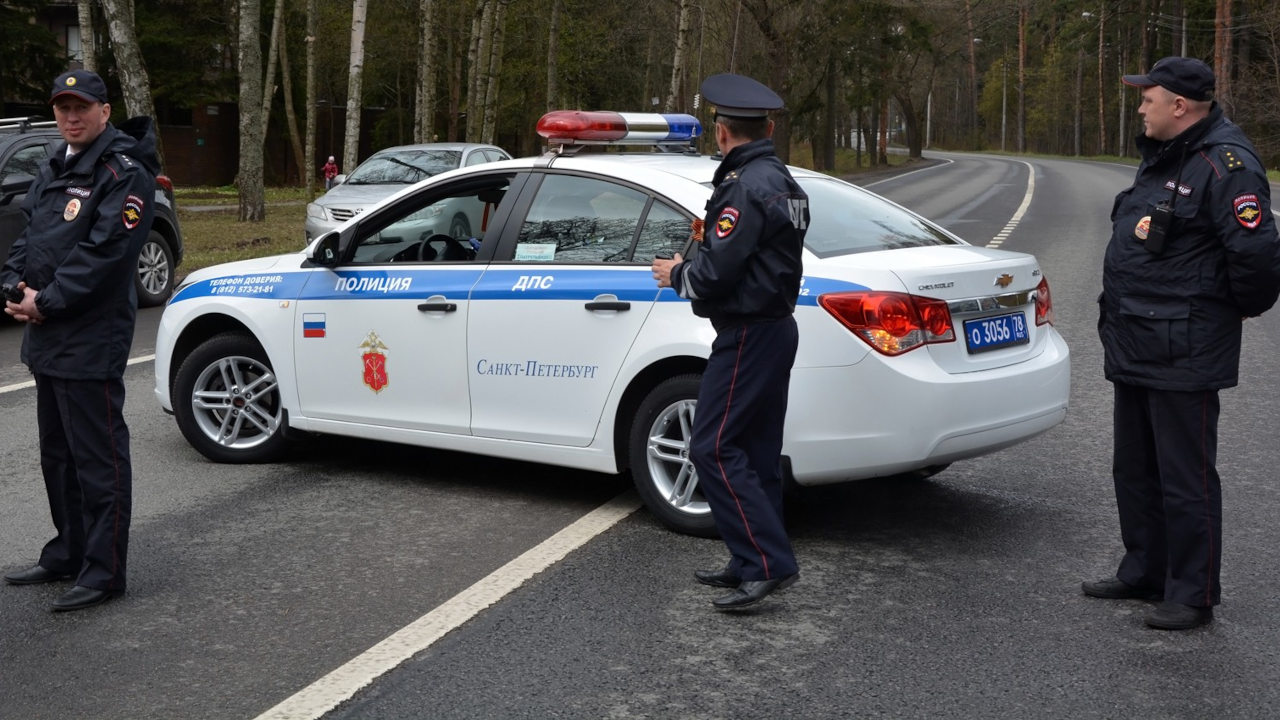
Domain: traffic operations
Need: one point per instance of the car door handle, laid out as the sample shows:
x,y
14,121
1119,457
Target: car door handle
x,y
438,307
608,305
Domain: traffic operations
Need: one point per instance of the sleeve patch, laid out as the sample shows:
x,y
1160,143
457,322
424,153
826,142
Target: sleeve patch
x,y
131,212
1248,210
726,222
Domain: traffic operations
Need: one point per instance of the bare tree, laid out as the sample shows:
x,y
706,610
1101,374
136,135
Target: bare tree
x,y
355,81
273,53
678,62
477,65
309,164
249,63
84,10
424,128
553,57
493,71
135,86
291,118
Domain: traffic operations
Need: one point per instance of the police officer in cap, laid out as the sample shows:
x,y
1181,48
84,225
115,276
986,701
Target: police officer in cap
x,y
744,276
89,211
1193,252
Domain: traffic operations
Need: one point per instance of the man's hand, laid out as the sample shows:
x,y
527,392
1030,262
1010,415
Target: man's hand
x,y
662,269
26,310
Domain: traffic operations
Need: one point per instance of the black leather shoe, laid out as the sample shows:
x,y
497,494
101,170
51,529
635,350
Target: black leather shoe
x,y
718,578
1176,616
1113,588
34,575
751,592
80,597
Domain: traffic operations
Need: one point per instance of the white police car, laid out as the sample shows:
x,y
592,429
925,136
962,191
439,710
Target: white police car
x,y
543,337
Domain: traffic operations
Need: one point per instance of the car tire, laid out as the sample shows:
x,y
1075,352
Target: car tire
x,y
659,456
227,401
155,271
460,227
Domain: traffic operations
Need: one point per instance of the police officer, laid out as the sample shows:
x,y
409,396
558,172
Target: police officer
x,y
1193,252
744,277
88,212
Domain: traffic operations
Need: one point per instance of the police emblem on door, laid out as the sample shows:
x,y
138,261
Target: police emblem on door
x,y
375,362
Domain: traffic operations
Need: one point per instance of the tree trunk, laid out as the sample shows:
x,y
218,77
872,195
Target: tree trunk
x,y
291,118
425,126
553,54
249,63
135,86
355,82
88,48
273,52
1102,99
477,56
676,89
493,73
1222,56
309,161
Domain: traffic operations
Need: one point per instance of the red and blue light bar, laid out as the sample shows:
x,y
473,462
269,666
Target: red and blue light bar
x,y
580,127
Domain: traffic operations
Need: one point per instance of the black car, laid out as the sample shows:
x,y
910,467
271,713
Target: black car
x,y
25,143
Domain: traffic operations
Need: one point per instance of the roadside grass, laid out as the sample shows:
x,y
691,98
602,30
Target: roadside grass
x,y
212,236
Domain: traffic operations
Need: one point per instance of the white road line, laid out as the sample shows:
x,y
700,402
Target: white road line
x,y
331,690
1009,227
32,383
945,161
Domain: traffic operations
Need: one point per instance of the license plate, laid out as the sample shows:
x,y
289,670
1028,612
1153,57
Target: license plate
x,y
992,333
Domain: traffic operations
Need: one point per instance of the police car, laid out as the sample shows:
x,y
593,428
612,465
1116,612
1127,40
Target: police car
x,y
543,337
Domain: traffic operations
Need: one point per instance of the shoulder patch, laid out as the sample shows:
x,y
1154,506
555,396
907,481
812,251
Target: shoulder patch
x,y
131,212
1231,159
1248,210
727,220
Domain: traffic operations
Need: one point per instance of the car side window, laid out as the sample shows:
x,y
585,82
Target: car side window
x,y
439,226
476,158
665,232
580,220
25,161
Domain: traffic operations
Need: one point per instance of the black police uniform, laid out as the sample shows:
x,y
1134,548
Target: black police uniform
x,y
87,219
745,277
1170,324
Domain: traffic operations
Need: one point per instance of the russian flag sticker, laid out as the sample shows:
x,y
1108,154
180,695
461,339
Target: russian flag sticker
x,y
312,325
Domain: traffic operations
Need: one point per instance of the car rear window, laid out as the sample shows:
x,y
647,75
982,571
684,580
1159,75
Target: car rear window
x,y
845,220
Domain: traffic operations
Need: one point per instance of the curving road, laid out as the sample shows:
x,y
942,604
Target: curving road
x,y
261,587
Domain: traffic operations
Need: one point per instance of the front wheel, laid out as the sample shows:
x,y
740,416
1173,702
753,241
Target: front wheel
x,y
659,452
227,401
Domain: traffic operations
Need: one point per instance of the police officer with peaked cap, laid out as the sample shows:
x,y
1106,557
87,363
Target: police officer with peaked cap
x,y
744,276
89,211
1193,252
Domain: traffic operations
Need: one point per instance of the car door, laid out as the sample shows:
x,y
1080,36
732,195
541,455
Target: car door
x,y
381,339
24,158
553,317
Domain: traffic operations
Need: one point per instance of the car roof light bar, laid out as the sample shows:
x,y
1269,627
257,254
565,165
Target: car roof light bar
x,y
578,127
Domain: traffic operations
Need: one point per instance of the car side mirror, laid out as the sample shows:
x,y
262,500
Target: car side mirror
x,y
339,179
328,249
14,185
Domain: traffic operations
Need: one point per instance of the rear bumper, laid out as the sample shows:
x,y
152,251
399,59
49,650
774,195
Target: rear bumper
x,y
882,416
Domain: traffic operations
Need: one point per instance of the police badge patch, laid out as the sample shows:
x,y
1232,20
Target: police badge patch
x,y
726,222
1248,210
131,213
72,209
375,362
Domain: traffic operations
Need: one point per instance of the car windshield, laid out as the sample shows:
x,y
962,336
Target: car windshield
x,y
844,220
404,167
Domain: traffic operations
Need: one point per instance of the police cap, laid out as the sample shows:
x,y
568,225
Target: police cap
x,y
83,84
1188,77
739,96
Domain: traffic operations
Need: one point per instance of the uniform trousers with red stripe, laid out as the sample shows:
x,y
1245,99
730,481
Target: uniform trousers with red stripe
x,y
84,453
736,443
1168,492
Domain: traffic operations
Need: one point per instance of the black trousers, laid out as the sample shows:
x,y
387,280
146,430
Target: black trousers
x,y
737,443
84,453
1168,492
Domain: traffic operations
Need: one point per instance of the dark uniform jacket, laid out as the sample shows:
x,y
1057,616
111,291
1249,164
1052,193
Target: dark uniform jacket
x,y
1172,320
748,266
87,220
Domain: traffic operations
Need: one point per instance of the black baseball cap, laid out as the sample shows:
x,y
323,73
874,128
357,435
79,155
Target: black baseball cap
x,y
1188,77
739,96
83,84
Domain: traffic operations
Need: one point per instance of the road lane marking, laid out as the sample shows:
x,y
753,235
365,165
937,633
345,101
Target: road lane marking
x,y
945,161
32,383
1009,227
341,684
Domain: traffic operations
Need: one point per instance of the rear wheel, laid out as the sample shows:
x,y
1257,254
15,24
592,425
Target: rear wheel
x,y
227,401
659,451
155,271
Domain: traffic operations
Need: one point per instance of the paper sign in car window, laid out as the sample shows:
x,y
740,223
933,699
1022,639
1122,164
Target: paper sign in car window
x,y
535,252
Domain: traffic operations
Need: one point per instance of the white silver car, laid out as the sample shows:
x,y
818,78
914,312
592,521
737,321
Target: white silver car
x,y
389,171
547,340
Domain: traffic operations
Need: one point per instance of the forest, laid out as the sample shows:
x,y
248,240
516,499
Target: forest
x,y
1015,75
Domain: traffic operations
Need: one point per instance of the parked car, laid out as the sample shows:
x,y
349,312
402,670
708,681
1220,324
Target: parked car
x,y
549,341
25,143
388,171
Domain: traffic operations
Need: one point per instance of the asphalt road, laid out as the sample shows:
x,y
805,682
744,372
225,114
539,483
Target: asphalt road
x,y
956,597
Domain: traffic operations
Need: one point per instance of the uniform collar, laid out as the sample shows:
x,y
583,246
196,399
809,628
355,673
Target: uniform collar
x,y
741,155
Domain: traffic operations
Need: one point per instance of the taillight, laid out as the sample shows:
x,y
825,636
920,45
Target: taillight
x,y
1044,303
891,322
164,182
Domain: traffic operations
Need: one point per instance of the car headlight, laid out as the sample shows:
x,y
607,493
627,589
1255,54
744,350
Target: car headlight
x,y
314,210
